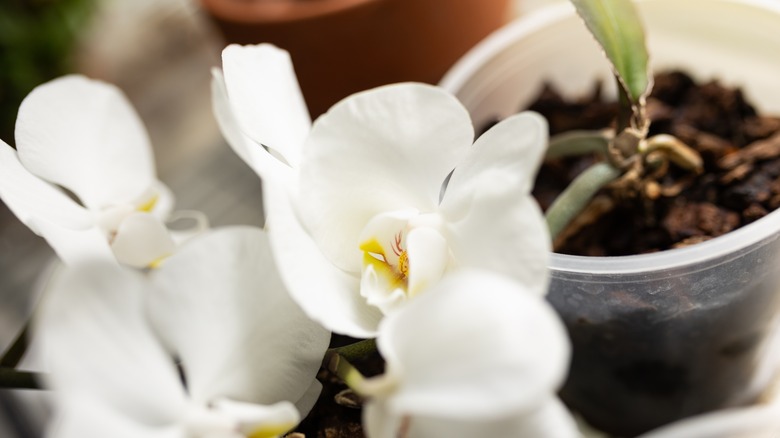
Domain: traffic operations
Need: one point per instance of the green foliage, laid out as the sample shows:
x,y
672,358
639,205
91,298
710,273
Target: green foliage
x,y
36,40
616,26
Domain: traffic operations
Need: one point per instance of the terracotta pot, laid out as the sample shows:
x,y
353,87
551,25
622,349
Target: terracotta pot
x,y
656,337
340,47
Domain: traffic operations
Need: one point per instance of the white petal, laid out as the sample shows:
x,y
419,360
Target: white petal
x,y
84,135
75,246
327,294
258,420
225,312
48,212
516,146
163,200
309,398
476,345
501,229
29,197
84,417
386,149
379,422
266,98
381,287
142,240
94,333
428,257
551,420
260,160
753,422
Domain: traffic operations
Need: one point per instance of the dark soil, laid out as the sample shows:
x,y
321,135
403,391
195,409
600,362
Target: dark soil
x,y
739,184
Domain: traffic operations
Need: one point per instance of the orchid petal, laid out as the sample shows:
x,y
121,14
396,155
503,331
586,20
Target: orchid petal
x,y
84,135
428,258
237,332
475,345
162,201
327,294
381,150
142,240
381,286
550,420
305,404
48,212
501,230
29,197
266,99
254,154
93,329
75,246
753,422
378,422
85,417
515,146
258,420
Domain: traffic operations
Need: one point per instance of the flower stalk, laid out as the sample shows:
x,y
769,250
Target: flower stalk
x,y
16,350
352,377
13,379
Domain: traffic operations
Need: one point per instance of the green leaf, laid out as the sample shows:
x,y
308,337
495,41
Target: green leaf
x,y
616,26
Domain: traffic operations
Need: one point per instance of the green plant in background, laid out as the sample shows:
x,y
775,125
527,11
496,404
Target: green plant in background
x,y
631,156
36,41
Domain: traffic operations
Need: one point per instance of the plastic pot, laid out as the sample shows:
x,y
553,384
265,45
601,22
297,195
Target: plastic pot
x,y
340,47
661,336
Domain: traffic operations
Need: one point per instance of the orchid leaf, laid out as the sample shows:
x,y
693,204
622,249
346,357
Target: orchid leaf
x,y
617,28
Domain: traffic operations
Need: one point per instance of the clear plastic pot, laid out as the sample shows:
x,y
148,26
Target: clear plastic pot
x,y
661,336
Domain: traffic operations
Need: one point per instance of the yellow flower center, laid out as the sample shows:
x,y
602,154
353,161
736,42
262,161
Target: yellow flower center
x,y
403,264
148,206
393,266
270,430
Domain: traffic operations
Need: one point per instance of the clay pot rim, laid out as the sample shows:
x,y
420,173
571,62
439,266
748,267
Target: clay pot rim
x,y
706,254
278,11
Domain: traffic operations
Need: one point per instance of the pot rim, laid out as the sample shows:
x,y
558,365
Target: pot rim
x,y
277,11
716,250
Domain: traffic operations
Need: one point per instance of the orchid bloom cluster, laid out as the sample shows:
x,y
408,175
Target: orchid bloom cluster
x,y
210,345
385,220
84,136
388,221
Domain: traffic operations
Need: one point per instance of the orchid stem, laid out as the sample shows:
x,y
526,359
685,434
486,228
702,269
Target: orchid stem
x,y
340,366
357,350
16,350
362,385
577,195
13,379
574,143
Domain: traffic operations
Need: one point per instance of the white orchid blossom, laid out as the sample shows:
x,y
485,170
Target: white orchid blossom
x,y
248,354
359,214
476,355
84,135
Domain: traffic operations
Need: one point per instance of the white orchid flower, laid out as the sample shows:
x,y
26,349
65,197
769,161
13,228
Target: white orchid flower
x,y
477,355
84,135
248,354
358,210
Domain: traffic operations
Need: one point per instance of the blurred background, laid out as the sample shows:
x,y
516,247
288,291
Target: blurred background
x,y
159,52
